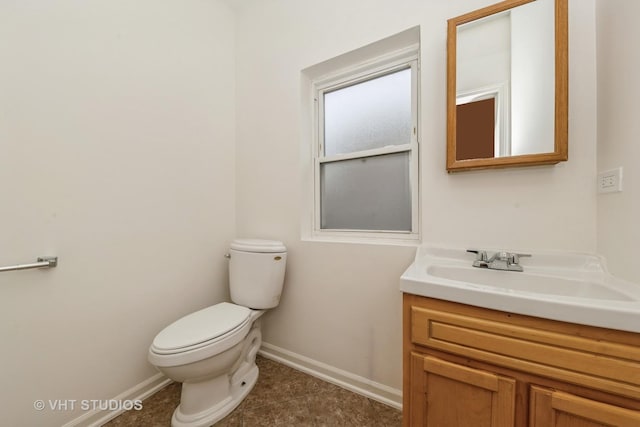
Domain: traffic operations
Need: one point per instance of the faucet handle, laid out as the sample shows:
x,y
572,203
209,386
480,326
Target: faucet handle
x,y
480,255
516,257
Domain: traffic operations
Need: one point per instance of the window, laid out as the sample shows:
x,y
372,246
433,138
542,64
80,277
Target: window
x,y
366,150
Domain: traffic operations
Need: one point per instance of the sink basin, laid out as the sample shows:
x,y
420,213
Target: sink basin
x,y
561,286
530,283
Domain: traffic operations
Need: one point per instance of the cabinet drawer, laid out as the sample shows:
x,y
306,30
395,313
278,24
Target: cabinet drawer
x,y
539,346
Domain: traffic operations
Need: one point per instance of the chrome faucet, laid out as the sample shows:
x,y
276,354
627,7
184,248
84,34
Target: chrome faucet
x,y
499,261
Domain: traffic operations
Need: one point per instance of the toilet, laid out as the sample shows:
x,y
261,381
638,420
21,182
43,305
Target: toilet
x,y
212,352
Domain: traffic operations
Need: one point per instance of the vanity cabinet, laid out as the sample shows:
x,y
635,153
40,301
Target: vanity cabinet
x,y
468,366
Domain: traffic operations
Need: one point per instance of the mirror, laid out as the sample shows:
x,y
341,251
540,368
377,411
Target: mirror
x,y
507,85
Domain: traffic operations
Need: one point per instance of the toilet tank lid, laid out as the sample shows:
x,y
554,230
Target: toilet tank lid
x,y
201,326
258,245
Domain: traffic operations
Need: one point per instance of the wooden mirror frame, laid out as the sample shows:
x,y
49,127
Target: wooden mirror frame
x,y
561,149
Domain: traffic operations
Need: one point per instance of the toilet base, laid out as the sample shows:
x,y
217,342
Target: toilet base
x,y
204,403
240,385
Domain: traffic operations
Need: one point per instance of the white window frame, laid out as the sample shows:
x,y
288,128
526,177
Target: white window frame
x,y
399,60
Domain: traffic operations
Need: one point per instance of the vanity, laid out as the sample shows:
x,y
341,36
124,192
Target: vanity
x,y
557,344
499,339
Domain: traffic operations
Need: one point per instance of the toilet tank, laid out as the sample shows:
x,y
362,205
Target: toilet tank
x,y
256,272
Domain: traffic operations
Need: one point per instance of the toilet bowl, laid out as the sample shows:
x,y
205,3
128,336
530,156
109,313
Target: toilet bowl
x,y
212,351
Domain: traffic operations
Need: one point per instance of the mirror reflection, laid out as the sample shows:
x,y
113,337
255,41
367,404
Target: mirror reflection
x,y
505,62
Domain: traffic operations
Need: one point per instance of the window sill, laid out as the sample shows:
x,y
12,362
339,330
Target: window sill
x,y
408,240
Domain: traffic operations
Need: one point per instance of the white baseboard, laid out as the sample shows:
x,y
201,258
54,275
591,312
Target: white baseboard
x,y
97,417
355,383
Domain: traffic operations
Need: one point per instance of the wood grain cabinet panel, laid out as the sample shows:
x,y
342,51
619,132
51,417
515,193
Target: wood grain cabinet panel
x,y
452,395
593,362
468,366
549,408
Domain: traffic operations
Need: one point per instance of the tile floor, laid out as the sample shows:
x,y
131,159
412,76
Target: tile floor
x,y
281,397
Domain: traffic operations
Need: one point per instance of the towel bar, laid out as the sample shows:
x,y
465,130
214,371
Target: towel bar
x,y
42,262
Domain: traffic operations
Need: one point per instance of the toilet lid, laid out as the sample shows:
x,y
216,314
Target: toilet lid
x,y
258,246
201,326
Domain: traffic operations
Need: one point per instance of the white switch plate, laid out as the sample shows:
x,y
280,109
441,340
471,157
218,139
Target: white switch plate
x,y
610,181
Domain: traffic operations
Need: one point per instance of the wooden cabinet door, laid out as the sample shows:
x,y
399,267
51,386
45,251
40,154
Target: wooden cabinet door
x,y
445,394
549,408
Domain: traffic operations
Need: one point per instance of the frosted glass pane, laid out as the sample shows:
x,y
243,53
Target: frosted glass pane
x,y
370,193
371,114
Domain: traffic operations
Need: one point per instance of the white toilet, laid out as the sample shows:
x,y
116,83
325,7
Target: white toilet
x,y
212,352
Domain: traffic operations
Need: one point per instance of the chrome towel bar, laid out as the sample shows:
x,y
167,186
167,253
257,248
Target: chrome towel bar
x,y
42,262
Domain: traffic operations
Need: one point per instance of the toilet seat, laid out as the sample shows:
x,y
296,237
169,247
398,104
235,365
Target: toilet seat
x,y
202,334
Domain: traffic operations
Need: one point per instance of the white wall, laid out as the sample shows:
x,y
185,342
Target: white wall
x,y
618,130
341,303
533,60
483,53
117,155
